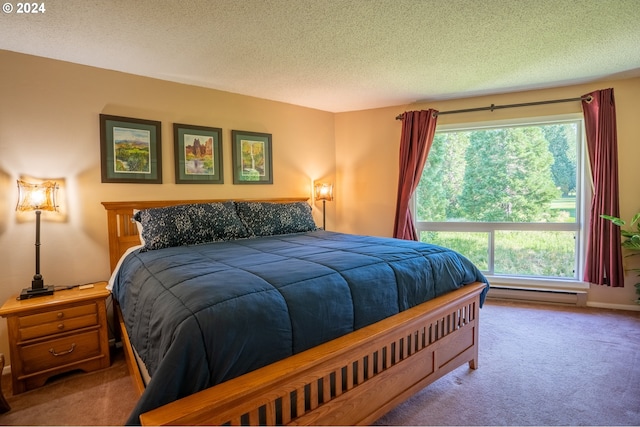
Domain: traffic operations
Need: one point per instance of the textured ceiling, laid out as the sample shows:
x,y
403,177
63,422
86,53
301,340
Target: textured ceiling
x,y
341,55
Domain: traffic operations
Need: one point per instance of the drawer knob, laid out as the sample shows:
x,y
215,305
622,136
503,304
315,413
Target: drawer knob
x,y
60,315
52,351
60,326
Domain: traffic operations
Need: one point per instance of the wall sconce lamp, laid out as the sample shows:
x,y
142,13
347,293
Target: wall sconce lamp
x,y
324,192
38,198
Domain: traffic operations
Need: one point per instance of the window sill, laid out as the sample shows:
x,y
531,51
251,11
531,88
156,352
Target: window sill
x,y
557,285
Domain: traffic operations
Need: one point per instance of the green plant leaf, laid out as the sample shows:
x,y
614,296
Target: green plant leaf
x,y
617,221
635,219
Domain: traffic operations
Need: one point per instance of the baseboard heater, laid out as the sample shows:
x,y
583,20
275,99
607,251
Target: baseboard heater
x,y
571,297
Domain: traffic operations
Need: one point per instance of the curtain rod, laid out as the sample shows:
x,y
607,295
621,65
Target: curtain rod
x,y
492,107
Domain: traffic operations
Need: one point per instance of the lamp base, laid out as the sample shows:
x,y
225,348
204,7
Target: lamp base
x,y
37,292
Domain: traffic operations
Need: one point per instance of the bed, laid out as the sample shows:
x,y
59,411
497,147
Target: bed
x,y
316,328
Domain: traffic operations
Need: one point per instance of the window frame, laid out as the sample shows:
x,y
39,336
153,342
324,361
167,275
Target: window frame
x,y
580,227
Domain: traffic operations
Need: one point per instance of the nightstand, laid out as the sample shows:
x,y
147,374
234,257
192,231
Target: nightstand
x,y
57,333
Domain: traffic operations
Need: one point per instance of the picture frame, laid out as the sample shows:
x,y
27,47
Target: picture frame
x,y
252,161
198,154
130,150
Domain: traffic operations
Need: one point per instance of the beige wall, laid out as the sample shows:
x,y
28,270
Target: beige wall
x,y
49,128
367,145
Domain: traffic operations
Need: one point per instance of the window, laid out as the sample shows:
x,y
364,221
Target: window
x,y
509,197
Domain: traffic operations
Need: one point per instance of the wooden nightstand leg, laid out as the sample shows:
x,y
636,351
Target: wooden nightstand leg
x,y
4,405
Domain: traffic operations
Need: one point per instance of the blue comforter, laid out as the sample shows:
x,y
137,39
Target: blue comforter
x,y
200,315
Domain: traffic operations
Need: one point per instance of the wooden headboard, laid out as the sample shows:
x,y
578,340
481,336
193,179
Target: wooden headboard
x,y
123,232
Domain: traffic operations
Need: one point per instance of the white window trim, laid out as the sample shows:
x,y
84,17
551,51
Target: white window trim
x,y
581,225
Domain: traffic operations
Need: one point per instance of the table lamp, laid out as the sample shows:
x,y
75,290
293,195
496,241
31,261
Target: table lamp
x,y
38,198
324,192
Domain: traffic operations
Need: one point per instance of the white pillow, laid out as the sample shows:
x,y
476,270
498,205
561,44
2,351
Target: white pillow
x,y
139,225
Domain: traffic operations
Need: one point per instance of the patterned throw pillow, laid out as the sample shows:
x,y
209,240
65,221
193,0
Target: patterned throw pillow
x,y
268,219
189,225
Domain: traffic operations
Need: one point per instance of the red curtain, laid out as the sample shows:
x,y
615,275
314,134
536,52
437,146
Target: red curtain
x,y
418,129
603,265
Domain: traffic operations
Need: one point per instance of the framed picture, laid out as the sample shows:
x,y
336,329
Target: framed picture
x,y
198,154
130,150
252,163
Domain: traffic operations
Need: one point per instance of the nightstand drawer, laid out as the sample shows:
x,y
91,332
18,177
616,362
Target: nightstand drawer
x,y
61,351
67,324
55,315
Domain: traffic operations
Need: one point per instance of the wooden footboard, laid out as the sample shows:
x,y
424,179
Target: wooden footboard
x,y
351,380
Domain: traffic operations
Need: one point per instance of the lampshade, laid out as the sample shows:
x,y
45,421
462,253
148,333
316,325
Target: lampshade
x,y
37,197
324,191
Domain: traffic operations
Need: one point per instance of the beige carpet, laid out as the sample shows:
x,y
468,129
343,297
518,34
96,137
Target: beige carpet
x,y
104,397
539,365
